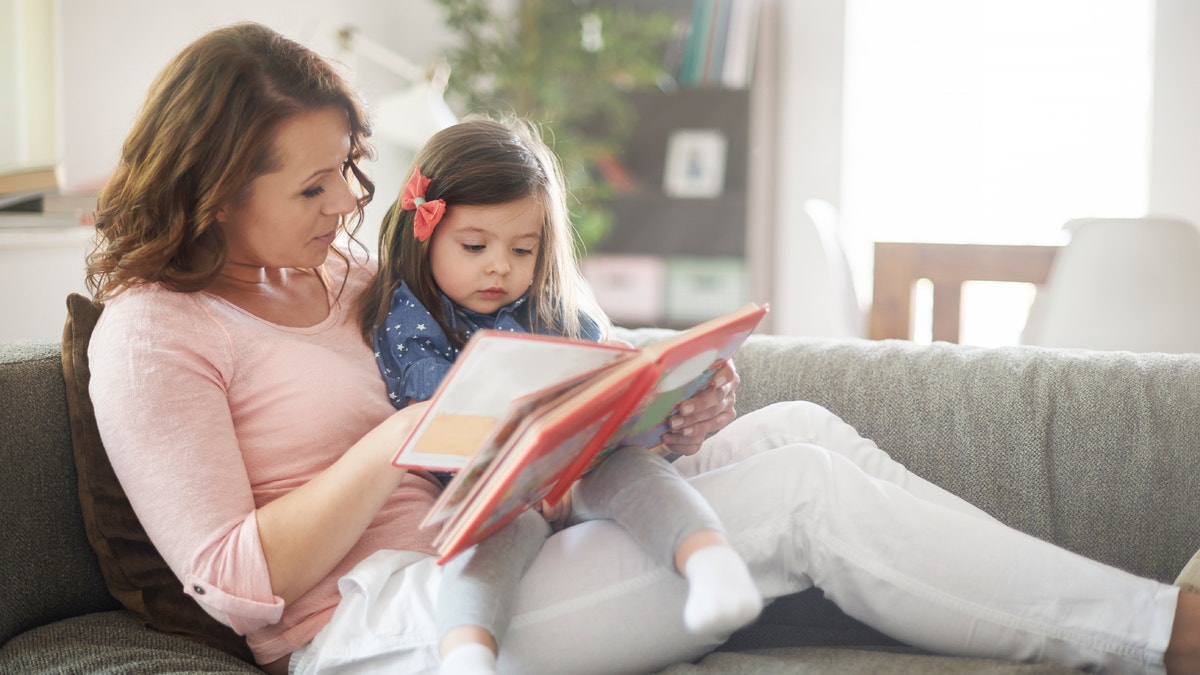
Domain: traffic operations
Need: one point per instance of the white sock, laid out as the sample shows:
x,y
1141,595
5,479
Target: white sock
x,y
468,659
722,596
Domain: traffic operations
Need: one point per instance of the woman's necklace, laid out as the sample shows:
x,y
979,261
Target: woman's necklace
x,y
244,273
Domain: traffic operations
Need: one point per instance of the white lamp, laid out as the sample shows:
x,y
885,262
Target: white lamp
x,y
411,115
1122,283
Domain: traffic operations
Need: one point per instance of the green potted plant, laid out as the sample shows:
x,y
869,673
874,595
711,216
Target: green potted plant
x,y
568,66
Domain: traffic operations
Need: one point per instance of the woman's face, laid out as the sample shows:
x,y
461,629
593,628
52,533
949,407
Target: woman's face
x,y
289,216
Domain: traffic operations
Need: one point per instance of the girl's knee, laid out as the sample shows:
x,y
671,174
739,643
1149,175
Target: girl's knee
x,y
624,467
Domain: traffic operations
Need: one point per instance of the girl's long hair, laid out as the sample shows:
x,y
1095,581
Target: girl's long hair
x,y
204,133
480,162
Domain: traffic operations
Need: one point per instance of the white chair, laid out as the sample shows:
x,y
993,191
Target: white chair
x,y
1122,284
850,316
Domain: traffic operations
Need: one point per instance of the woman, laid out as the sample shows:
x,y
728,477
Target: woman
x,y
244,415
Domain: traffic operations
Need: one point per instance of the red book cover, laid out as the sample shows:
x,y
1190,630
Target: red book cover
x,y
538,456
677,369
555,426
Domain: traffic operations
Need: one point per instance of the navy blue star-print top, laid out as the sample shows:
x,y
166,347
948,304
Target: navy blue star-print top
x,y
414,354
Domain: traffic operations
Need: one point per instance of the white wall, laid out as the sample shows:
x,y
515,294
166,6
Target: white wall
x,y
1175,146
809,162
112,51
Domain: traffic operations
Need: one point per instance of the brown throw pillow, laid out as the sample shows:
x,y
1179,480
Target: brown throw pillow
x,y
133,570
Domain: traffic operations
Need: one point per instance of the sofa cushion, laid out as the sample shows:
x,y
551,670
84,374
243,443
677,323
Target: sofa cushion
x,y
111,642
133,570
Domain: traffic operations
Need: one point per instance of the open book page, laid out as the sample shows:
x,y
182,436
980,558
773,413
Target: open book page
x,y
494,369
482,464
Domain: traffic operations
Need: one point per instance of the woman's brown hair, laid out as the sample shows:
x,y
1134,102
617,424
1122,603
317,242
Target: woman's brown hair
x,y
483,161
204,133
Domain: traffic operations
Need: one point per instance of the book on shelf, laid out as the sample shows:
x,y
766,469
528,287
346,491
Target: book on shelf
x,y
521,417
719,48
22,179
743,41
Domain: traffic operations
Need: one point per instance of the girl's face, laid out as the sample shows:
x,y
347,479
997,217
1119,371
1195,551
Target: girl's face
x,y
289,217
484,257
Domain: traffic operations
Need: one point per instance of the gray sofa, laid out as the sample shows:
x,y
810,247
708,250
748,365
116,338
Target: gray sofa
x,y
1099,452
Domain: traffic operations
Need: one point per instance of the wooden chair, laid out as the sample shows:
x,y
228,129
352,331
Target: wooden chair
x,y
899,265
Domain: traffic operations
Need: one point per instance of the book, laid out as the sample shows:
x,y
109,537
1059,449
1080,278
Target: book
x,y
739,54
696,46
521,417
22,180
717,42
45,209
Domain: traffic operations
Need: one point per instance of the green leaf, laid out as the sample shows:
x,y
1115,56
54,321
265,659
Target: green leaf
x,y
532,63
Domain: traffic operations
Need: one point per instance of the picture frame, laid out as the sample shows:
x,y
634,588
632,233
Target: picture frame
x,y
695,163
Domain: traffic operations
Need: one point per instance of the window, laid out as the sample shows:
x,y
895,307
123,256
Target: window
x,y
994,121
28,131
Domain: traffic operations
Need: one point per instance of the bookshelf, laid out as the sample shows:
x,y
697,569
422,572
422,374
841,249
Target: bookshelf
x,y
691,237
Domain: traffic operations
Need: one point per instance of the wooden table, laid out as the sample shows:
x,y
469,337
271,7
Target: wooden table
x,y
899,265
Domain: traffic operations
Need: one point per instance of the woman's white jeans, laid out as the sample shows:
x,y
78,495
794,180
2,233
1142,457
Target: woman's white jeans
x,y
807,502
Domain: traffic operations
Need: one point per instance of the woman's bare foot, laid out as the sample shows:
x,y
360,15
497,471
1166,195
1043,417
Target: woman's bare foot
x,y
1183,651
1189,577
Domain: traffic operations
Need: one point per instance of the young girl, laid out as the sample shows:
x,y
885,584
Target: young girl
x,y
480,239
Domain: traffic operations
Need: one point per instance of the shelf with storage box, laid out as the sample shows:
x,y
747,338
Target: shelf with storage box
x,y
690,214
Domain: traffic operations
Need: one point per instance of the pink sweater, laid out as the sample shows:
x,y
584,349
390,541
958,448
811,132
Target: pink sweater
x,y
208,412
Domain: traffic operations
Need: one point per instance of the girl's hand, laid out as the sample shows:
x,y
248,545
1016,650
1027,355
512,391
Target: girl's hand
x,y
703,414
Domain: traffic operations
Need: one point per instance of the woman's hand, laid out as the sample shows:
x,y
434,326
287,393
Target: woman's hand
x,y
703,414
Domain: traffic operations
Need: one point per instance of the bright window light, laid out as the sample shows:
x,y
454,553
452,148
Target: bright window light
x,y
994,121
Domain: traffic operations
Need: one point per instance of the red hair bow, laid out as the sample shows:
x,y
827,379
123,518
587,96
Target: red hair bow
x,y
428,213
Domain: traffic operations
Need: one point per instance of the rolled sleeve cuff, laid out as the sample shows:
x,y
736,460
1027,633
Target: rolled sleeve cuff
x,y
240,614
234,585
